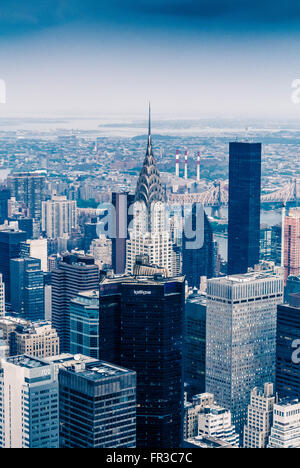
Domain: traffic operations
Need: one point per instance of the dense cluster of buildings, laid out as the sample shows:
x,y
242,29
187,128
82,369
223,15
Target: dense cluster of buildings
x,y
118,328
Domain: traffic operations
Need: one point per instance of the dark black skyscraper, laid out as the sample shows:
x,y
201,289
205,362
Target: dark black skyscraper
x,y
142,324
198,262
4,197
10,247
287,351
244,206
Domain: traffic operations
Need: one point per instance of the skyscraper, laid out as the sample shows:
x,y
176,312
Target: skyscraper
x,y
10,242
29,404
292,244
241,337
147,316
4,197
149,234
195,344
198,262
244,206
97,403
84,324
74,273
27,288
287,356
59,216
29,188
122,203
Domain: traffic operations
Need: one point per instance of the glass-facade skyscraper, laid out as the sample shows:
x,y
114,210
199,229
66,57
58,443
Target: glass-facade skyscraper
x,y
4,197
147,315
97,403
27,288
195,344
10,245
73,274
29,188
84,324
288,339
198,262
244,206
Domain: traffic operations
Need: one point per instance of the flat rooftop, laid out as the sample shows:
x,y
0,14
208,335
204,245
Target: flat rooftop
x,y
246,278
140,280
101,370
27,361
87,367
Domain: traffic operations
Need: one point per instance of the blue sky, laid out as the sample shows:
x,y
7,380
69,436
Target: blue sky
x,y
200,58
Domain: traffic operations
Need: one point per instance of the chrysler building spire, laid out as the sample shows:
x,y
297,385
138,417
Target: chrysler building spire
x,y
149,188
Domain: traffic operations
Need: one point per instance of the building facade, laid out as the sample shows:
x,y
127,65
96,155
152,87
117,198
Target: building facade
x,y
36,339
27,288
97,403
59,216
29,188
141,325
195,344
121,203
292,244
75,273
198,262
29,416
84,324
10,247
260,417
287,354
285,432
2,297
241,337
36,248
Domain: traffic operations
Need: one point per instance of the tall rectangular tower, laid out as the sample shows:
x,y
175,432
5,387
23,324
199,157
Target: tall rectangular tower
x,y
288,355
121,203
241,337
244,206
4,197
10,246
292,244
97,403
74,274
29,188
29,403
147,317
27,288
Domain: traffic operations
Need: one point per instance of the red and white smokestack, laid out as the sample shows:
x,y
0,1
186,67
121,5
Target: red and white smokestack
x,y
185,165
198,167
177,163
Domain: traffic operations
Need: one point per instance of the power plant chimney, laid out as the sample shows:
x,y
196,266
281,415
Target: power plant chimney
x,y
177,163
185,165
198,167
